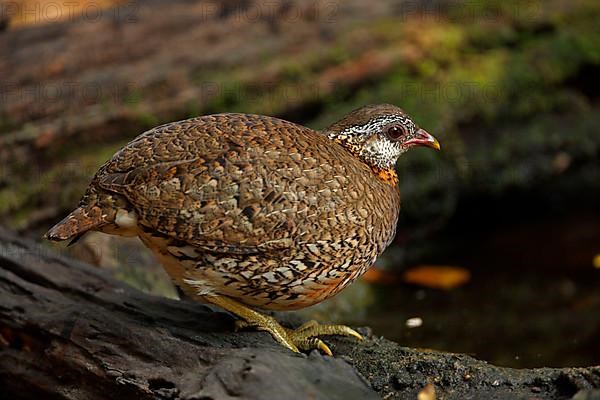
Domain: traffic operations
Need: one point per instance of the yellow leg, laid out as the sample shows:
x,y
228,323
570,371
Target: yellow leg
x,y
253,318
303,338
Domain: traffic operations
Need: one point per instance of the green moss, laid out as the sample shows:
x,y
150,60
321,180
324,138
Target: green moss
x,y
148,120
133,97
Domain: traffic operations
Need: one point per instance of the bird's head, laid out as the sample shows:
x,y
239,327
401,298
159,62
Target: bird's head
x,y
378,135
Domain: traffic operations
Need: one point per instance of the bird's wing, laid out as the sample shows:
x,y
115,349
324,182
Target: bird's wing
x,y
245,185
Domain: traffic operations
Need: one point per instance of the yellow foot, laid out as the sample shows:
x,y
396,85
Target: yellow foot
x,y
304,338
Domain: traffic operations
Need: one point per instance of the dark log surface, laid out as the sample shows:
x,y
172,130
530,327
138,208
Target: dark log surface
x,y
69,331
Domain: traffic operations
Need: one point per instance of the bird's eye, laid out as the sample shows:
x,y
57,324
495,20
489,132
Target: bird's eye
x,y
394,132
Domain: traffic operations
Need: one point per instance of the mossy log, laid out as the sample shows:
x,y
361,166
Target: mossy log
x,y
70,331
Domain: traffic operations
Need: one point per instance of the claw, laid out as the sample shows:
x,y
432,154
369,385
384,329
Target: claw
x,y
349,332
241,324
306,336
324,348
312,328
308,343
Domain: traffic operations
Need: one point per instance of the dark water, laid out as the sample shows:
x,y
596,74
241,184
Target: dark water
x,y
514,318
533,299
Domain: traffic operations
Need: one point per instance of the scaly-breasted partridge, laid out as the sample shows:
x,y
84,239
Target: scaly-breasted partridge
x,y
249,211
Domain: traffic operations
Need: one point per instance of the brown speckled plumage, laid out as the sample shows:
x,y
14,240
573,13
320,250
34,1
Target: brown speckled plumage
x,y
264,211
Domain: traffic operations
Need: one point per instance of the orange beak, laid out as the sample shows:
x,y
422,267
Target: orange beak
x,y
424,138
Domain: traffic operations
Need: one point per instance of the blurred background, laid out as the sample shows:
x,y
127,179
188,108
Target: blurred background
x,y
498,246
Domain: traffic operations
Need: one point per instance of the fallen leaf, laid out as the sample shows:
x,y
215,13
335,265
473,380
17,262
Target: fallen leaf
x,y
437,276
427,393
378,276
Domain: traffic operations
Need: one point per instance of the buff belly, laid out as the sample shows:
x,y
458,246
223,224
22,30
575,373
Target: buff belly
x,y
254,280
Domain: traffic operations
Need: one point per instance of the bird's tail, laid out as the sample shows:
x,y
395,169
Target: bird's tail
x,y
78,222
97,211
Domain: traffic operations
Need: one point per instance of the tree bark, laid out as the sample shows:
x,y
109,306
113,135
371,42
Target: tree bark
x,y
69,331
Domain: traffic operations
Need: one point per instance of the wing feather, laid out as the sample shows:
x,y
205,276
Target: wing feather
x,y
234,184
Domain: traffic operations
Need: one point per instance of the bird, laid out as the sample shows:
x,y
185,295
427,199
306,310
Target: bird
x,y
254,213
